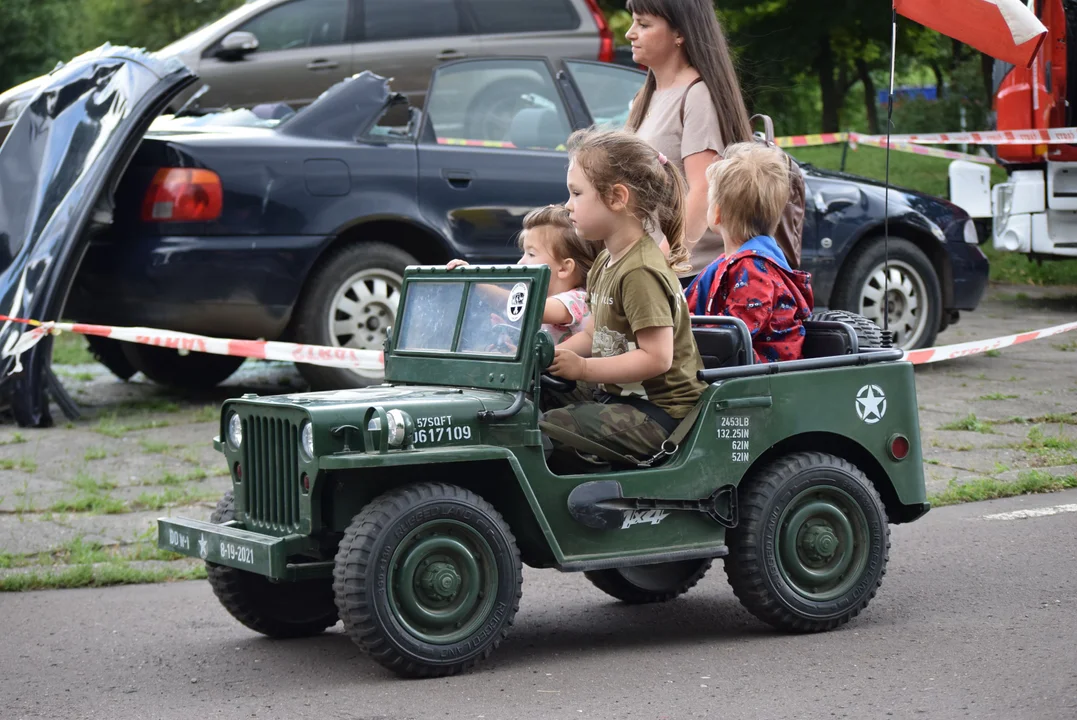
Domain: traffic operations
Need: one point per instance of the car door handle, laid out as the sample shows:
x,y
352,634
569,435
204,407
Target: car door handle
x,y
458,179
323,65
450,55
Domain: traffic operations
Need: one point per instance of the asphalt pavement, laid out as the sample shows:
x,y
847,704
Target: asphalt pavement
x,y
975,619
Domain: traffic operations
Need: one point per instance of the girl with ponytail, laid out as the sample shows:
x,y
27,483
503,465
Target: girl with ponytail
x,y
637,345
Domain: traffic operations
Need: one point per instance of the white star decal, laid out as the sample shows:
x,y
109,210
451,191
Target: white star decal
x,y
203,546
871,404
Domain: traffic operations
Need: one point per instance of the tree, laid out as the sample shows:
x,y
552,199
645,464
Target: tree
x,y
31,46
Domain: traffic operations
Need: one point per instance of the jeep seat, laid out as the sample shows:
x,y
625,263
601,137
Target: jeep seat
x,y
722,341
827,338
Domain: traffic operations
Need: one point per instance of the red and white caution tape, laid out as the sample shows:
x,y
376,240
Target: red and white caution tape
x,y
375,359
185,342
960,350
811,140
1042,136
880,141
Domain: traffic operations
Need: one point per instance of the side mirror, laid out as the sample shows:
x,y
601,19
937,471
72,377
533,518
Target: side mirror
x,y
236,45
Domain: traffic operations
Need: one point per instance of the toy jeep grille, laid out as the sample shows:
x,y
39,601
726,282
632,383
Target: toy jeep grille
x,y
272,473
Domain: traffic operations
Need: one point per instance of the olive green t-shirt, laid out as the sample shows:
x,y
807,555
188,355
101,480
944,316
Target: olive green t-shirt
x,y
639,291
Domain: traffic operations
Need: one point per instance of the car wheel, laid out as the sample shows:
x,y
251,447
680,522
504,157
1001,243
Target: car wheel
x,y
351,301
428,579
109,353
650,583
193,371
812,543
279,610
913,297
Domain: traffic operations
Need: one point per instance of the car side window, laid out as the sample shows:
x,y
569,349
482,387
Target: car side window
x,y
607,90
510,104
518,16
398,20
300,24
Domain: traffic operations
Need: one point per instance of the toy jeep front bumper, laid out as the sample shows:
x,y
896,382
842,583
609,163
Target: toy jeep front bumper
x,y
235,547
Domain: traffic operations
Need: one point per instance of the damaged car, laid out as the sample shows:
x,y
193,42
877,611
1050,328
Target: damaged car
x,y
298,225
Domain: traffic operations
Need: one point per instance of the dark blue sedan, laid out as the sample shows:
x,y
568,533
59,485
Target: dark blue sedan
x,y
300,229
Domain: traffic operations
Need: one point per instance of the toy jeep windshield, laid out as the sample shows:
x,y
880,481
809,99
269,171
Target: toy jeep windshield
x,y
406,510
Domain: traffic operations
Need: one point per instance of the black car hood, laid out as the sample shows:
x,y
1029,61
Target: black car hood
x,y
58,167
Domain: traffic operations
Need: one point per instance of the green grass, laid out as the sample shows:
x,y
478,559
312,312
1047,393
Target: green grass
x,y
170,496
71,349
15,439
24,464
153,446
92,497
172,479
95,453
915,172
991,489
111,426
969,423
1071,346
993,353
207,413
1016,269
999,396
97,576
96,503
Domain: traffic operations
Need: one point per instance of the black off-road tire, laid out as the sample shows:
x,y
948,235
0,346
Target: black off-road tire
x,y
756,557
193,371
311,321
869,335
279,610
870,255
109,353
397,531
650,583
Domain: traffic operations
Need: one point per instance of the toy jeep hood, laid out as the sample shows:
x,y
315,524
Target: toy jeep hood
x,y
58,167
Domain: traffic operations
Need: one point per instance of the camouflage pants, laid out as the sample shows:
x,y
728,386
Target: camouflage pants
x,y
552,399
618,426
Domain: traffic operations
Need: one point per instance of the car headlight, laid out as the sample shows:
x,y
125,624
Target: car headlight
x,y
398,427
971,236
306,441
235,431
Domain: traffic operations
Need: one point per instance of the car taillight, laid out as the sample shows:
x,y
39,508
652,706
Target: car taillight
x,y
183,195
899,447
605,48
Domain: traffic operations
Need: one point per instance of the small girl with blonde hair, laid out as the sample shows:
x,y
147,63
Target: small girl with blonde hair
x,y
548,238
637,346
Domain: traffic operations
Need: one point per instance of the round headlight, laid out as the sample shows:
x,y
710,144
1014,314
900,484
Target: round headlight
x,y
398,427
235,431
306,441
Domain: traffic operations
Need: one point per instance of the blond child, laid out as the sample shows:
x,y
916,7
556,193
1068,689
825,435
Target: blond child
x,y
752,280
548,238
637,345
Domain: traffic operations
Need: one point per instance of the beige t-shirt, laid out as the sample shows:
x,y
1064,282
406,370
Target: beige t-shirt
x,y
662,129
637,292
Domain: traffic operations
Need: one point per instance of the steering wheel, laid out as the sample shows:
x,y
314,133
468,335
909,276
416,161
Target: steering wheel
x,y
552,382
505,345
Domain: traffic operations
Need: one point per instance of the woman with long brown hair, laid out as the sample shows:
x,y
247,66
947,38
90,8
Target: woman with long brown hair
x,y
690,106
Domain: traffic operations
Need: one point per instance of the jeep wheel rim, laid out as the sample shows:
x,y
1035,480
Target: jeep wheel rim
x,y
906,300
823,543
442,582
363,309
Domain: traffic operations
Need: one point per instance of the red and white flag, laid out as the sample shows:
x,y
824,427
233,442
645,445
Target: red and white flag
x,y
1004,29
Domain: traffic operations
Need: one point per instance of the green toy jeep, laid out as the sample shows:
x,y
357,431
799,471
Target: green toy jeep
x,y
406,510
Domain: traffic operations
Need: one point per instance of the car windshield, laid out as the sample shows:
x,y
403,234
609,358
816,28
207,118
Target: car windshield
x,y
490,323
